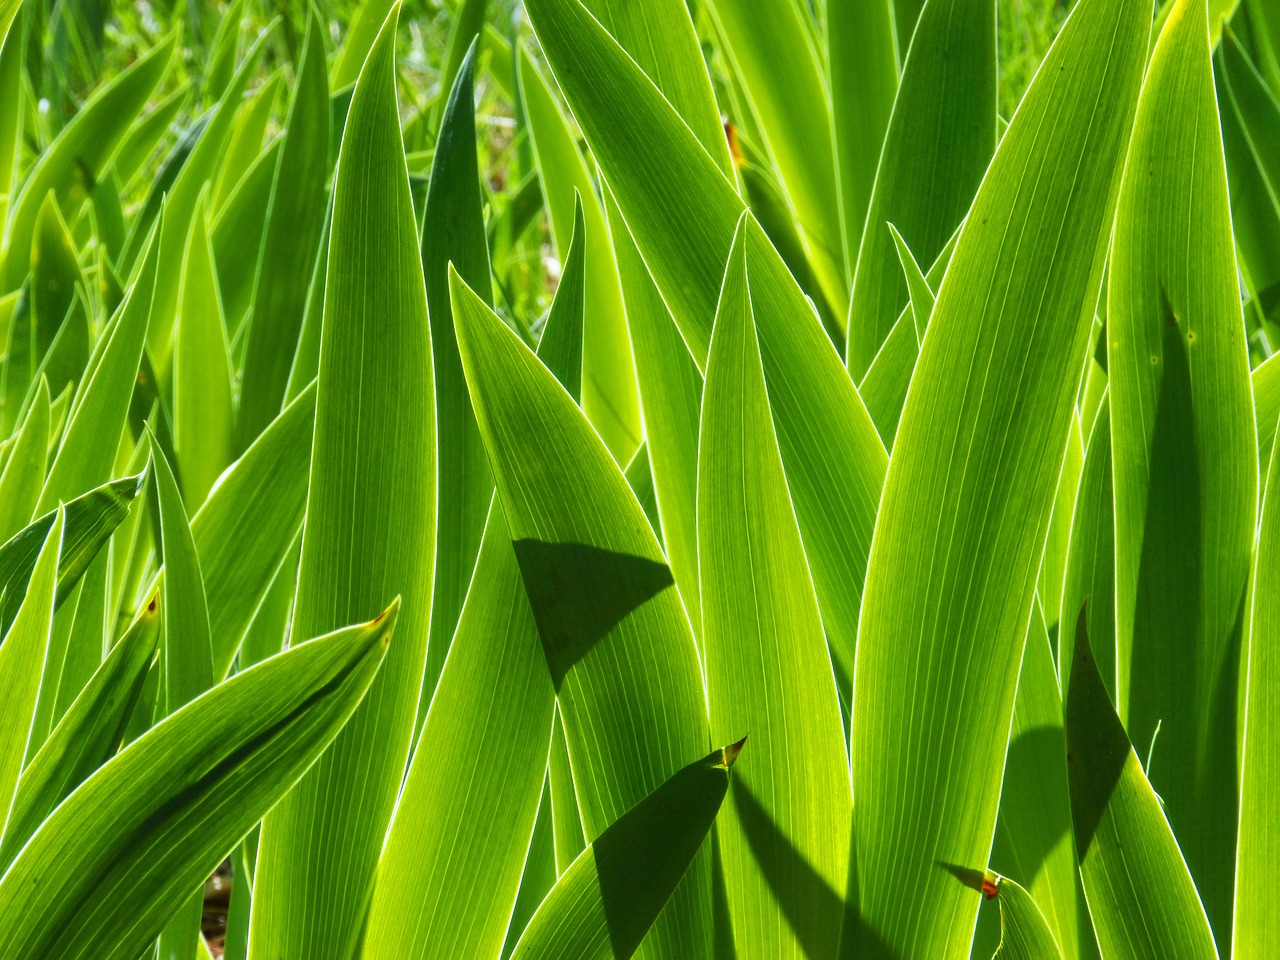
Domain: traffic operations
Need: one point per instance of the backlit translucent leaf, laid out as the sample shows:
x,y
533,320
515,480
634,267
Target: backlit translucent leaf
x,y
615,638
1184,448
965,510
1141,897
368,532
602,905
783,840
105,872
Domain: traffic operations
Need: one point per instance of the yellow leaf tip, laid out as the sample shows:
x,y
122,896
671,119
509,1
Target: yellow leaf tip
x,y
730,753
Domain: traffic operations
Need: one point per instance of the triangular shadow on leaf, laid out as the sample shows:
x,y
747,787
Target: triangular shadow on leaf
x,y
1097,746
578,593
812,908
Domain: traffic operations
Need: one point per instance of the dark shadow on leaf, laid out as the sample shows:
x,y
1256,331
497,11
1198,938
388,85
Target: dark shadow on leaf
x,y
812,909
1025,753
642,857
1097,746
579,593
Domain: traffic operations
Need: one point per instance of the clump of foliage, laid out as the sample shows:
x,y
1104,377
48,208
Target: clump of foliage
x,y
584,479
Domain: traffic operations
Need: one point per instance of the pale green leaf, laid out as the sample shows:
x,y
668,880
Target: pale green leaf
x,y
936,148
1256,915
966,503
369,526
615,639
22,663
784,838
89,733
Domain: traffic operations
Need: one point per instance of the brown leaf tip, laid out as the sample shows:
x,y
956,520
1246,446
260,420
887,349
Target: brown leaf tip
x,y
153,602
730,753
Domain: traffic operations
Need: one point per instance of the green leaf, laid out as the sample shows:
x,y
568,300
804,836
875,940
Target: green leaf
x,y
99,408
1053,566
369,526
295,221
89,733
1250,114
1257,922
80,154
90,521
23,474
22,663
780,68
609,397
683,220
1186,472
602,906
453,232
467,811
670,386
237,237
615,639
784,839
187,659
203,404
1035,802
560,346
109,867
936,149
1141,897
1266,400
922,297
244,529
1024,932
966,503
180,205
884,388
1091,557
862,59
660,36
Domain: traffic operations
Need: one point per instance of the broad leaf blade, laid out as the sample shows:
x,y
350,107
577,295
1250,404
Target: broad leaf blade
x,y
1186,471
1141,897
370,523
22,663
467,811
616,640
969,490
89,733
783,841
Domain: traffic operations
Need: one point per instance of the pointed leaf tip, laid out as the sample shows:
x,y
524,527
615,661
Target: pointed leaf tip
x,y
730,753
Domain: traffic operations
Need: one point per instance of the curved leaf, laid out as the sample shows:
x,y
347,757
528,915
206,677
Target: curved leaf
x,y
615,639
966,503
108,868
1141,897
1185,454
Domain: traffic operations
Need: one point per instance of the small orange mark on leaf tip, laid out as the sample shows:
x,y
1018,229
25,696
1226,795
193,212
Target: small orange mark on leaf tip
x,y
991,886
735,149
730,753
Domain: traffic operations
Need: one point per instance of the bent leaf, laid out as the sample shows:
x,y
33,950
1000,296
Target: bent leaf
x,y
110,866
